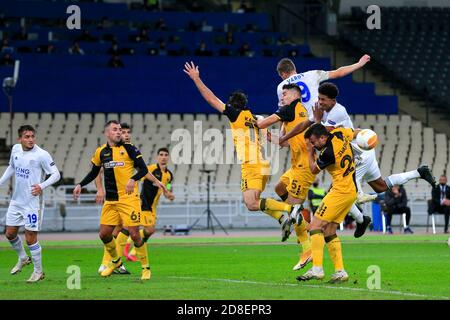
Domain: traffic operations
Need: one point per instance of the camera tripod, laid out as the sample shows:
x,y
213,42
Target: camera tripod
x,y
208,212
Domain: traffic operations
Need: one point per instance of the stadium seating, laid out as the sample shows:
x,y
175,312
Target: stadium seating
x,y
413,44
120,12
72,138
86,84
156,84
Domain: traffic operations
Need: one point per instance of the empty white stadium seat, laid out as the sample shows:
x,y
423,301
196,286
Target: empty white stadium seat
x,y
72,138
394,118
126,117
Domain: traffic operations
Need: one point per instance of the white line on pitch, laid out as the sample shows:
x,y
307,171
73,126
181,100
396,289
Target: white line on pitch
x,y
313,286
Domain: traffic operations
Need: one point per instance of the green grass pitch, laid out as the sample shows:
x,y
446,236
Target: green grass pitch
x,y
412,267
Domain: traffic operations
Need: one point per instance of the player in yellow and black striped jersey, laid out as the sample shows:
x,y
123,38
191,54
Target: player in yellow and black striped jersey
x,y
336,156
122,204
294,183
121,233
254,169
151,191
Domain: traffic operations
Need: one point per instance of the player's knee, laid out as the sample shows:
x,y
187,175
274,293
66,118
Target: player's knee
x,y
10,235
30,237
117,230
105,236
135,236
149,231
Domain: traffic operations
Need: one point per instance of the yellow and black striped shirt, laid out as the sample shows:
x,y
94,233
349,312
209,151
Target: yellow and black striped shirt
x,y
150,193
119,163
337,158
245,135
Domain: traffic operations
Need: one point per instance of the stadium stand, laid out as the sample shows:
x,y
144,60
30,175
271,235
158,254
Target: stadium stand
x,y
412,45
42,47
72,137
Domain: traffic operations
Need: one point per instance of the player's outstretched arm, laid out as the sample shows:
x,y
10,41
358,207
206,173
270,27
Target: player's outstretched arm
x,y
9,172
149,176
299,128
345,70
267,122
193,72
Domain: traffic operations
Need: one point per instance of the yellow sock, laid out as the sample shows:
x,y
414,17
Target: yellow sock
x,y
121,241
317,243
106,257
132,252
129,240
335,251
111,248
302,235
142,254
274,205
274,214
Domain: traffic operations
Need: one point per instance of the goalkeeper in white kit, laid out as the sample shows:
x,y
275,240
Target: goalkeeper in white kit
x,y
30,164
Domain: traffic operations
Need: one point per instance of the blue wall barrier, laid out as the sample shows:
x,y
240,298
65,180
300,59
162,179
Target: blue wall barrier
x,y
119,11
60,83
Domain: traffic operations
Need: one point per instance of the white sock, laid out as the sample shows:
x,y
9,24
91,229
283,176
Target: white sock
x,y
317,269
401,178
282,219
36,256
18,247
356,214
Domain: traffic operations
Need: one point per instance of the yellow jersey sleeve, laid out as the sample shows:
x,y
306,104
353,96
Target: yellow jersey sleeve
x,y
349,133
96,157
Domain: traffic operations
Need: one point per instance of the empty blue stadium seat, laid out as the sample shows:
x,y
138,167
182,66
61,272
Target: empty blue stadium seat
x,y
51,83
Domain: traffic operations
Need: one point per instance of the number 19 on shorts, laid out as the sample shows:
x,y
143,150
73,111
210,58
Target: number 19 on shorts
x,y
32,218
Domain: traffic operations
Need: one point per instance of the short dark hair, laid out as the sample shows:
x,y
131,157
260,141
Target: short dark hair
x,y
24,128
285,65
163,149
316,129
238,99
111,122
329,89
293,86
125,125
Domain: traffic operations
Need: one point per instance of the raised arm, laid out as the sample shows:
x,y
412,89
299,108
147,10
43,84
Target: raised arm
x,y
345,70
193,72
